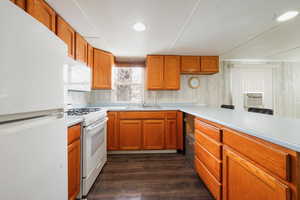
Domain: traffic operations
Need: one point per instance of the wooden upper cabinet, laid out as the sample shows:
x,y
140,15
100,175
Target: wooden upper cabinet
x,y
155,72
209,64
81,48
65,32
90,53
244,180
130,134
172,72
190,64
20,3
153,134
41,11
102,69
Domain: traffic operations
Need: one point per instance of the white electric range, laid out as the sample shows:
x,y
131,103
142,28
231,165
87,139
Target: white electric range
x,y
94,153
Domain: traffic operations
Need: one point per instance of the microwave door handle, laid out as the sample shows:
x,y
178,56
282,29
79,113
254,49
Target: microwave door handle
x,y
97,125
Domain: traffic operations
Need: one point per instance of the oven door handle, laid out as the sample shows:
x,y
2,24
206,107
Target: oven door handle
x,y
96,125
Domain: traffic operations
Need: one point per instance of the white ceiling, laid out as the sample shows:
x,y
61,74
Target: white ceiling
x,y
234,29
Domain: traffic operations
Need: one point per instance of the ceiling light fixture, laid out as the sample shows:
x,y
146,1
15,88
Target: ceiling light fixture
x,y
287,16
139,27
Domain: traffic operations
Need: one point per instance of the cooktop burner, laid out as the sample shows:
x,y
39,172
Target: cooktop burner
x,y
81,111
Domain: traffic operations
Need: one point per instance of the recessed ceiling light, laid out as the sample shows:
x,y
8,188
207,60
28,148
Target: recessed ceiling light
x,y
287,16
139,27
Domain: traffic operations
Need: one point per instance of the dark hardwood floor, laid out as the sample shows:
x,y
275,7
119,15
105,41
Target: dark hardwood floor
x,y
148,177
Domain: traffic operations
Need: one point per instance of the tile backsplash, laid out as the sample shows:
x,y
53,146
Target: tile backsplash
x,y
76,98
208,93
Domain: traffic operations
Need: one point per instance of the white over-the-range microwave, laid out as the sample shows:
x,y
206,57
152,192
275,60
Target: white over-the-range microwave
x,y
77,76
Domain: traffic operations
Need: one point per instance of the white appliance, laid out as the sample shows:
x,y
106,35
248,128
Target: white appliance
x,y
94,152
77,76
33,134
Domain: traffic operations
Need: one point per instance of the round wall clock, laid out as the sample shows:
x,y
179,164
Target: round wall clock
x,y
194,82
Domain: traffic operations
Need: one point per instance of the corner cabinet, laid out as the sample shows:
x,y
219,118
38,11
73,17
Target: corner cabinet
x,y
41,11
163,72
102,69
74,161
244,180
65,32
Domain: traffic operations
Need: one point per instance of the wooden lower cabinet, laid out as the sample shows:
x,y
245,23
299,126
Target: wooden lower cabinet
x,y
153,134
244,180
74,176
211,183
237,166
130,134
113,142
74,169
171,134
144,130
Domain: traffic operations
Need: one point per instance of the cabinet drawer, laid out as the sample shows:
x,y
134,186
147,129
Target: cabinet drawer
x,y
74,133
271,159
212,146
212,184
171,115
212,164
208,129
142,115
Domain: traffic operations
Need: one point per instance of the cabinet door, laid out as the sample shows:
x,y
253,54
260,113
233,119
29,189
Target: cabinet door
x,y
244,180
90,60
74,169
153,134
102,69
171,134
81,48
65,32
112,132
155,72
130,134
190,64
172,73
20,3
209,64
40,10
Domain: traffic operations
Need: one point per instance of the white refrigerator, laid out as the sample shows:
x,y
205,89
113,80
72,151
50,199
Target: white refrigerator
x,y
33,133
